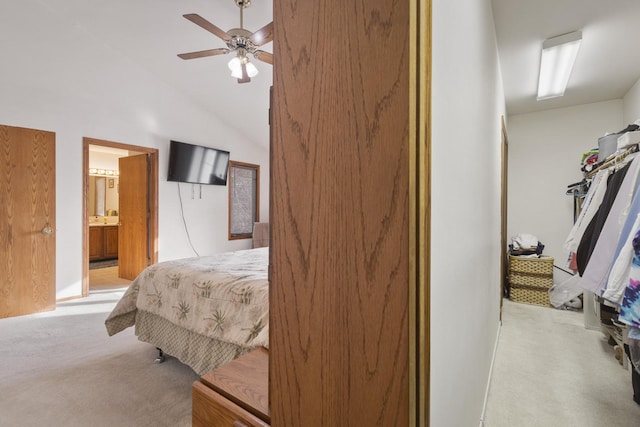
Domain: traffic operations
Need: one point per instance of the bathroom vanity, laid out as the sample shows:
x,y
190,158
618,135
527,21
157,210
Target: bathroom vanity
x,y
103,241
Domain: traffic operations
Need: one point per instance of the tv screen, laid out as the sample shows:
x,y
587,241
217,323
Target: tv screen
x,y
197,164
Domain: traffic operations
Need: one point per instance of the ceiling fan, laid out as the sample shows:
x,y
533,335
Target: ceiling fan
x,y
237,40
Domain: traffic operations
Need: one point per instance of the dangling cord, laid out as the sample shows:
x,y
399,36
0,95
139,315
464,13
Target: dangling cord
x,y
184,221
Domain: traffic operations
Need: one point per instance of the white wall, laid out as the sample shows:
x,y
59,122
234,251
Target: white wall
x,y
103,160
632,104
467,106
50,80
545,150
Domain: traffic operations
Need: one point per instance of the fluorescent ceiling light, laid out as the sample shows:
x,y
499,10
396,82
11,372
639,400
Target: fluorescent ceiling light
x,y
558,56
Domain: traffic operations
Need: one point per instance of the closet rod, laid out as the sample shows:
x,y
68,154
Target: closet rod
x,y
618,158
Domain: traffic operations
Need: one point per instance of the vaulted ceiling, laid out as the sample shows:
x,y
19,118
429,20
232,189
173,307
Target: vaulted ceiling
x,y
150,33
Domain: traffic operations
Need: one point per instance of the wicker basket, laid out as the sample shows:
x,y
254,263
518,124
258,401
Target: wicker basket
x,y
530,279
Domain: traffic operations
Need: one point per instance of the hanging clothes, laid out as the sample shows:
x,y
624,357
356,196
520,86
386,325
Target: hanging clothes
x,y
592,233
618,278
597,270
630,308
590,206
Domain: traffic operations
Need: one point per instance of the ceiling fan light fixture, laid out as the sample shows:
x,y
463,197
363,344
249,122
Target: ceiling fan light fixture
x,y
238,40
235,65
252,71
556,63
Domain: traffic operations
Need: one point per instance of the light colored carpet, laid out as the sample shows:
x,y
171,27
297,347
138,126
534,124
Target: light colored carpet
x,y
550,371
62,369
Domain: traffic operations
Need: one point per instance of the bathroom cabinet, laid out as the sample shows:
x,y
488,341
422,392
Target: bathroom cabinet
x,y
103,242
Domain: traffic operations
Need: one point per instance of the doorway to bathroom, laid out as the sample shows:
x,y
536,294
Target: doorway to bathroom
x,y
120,225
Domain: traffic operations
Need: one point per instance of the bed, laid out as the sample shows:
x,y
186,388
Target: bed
x,y
205,311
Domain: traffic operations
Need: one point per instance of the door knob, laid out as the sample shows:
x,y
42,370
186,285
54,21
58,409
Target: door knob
x,y
47,229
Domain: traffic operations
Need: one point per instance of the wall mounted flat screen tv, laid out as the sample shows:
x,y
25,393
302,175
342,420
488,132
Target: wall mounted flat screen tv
x,y
197,164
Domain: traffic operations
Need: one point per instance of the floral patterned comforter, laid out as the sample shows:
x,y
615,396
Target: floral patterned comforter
x,y
225,296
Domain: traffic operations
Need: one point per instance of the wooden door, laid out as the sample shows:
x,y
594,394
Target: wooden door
x,y
348,199
27,221
504,175
133,233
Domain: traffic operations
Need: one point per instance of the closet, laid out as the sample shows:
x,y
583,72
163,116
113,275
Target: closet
x,y
604,243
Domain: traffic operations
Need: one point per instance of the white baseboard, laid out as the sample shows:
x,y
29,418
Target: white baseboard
x,y
493,360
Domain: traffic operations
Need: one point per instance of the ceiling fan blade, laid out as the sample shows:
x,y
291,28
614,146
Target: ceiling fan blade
x,y
263,56
200,21
263,36
204,53
245,77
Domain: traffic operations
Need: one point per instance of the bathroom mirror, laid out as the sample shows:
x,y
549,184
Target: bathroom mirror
x,y
103,196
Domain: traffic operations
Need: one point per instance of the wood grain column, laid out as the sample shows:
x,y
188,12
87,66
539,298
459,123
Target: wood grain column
x,y
344,213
